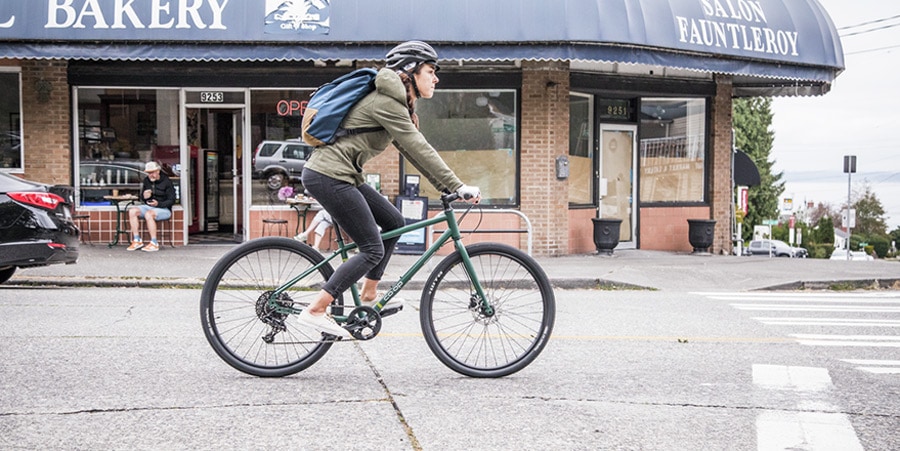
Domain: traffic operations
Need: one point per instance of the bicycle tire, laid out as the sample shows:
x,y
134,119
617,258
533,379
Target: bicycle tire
x,y
235,316
472,343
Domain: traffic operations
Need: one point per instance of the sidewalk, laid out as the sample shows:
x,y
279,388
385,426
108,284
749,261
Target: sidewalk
x,y
188,266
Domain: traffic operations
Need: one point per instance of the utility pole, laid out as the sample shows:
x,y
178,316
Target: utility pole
x,y
849,168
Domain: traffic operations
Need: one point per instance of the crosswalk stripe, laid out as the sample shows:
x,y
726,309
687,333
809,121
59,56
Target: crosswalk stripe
x,y
805,321
876,366
871,362
802,430
874,341
805,295
816,308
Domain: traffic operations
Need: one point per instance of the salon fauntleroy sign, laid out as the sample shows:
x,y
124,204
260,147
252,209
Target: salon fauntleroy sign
x,y
770,29
738,25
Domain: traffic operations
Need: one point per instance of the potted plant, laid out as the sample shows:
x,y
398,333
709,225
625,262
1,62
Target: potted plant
x,y
606,234
700,234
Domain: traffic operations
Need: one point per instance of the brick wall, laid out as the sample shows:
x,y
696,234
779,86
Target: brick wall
x,y
544,134
46,121
666,228
721,197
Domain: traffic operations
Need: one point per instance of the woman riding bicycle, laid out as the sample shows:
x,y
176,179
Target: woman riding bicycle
x,y
334,174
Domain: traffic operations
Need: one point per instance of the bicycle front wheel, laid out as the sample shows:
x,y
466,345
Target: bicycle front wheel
x,y
495,342
248,331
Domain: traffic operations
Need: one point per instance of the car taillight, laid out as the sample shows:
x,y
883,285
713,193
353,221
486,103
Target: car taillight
x,y
48,201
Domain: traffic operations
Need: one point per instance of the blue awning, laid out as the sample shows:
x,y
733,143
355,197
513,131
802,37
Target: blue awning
x,y
778,41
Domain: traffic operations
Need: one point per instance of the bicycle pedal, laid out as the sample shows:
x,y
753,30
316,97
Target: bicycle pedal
x,y
388,311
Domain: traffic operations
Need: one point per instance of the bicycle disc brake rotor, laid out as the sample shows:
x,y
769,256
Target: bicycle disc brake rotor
x,y
364,323
479,314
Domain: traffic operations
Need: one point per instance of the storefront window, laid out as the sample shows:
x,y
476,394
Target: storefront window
x,y
10,120
275,119
581,148
475,133
672,150
119,130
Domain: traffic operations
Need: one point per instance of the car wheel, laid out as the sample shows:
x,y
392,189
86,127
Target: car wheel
x,y
6,273
275,181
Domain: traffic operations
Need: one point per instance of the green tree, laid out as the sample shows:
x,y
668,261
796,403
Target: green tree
x,y
823,233
869,213
753,134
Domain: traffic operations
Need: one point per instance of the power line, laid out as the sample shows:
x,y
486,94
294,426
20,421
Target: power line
x,y
885,27
878,49
869,22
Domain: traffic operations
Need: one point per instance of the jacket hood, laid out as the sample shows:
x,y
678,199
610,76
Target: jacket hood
x,y
388,83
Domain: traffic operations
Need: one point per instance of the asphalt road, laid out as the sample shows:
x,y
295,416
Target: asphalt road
x,y
129,368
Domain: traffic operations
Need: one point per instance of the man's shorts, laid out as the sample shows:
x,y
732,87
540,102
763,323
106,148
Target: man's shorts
x,y
161,213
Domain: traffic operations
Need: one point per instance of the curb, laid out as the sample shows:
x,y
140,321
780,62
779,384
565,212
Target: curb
x,y
558,283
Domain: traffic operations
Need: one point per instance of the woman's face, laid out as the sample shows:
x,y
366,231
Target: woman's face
x,y
426,79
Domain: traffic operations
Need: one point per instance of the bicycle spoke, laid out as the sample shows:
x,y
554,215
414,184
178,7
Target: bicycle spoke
x,y
246,321
481,342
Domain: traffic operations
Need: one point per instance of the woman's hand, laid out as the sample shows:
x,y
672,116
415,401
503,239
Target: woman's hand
x,y
468,193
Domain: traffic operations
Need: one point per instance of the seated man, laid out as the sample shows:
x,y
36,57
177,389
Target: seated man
x,y
158,196
320,223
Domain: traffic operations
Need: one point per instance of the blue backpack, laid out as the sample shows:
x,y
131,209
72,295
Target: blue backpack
x,y
329,105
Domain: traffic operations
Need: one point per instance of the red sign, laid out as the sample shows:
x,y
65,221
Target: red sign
x,y
289,107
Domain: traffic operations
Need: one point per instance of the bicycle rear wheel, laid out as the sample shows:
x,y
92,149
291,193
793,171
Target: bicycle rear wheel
x,y
476,343
240,324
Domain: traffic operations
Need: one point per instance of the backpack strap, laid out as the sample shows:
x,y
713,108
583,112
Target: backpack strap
x,y
355,131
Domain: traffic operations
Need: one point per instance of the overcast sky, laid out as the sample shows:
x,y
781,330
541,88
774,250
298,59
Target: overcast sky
x,y
860,116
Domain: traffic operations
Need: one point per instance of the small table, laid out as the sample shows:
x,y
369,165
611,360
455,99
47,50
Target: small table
x,y
302,205
117,201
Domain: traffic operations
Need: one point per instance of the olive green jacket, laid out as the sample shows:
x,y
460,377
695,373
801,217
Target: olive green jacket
x,y
384,107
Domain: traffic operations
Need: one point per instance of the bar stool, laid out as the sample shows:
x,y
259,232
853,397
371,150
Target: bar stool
x,y
275,224
84,226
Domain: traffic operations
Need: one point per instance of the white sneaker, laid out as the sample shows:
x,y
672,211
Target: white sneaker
x,y
301,237
322,323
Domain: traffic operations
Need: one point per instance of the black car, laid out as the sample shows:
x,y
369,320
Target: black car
x,y
36,226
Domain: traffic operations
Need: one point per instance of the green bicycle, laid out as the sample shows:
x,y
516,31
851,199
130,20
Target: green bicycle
x,y
486,310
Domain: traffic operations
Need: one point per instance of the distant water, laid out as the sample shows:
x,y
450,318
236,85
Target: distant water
x,y
830,187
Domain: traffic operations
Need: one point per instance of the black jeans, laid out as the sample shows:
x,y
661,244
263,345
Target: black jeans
x,y
358,211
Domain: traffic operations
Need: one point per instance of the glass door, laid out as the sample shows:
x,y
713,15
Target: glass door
x,y
214,131
618,151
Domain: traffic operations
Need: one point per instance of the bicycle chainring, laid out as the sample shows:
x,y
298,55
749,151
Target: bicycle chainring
x,y
364,323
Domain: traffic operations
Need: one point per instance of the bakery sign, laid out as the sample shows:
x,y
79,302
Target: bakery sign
x,y
736,25
172,20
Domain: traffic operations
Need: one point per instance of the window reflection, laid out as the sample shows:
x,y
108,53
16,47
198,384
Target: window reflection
x,y
10,121
581,149
475,133
672,150
118,131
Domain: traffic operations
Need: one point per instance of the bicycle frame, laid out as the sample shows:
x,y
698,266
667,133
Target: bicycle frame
x,y
448,216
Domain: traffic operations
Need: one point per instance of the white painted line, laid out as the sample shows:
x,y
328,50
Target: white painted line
x,y
851,344
805,295
846,337
805,431
799,378
778,430
871,362
823,300
807,318
871,341
776,321
879,370
816,308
